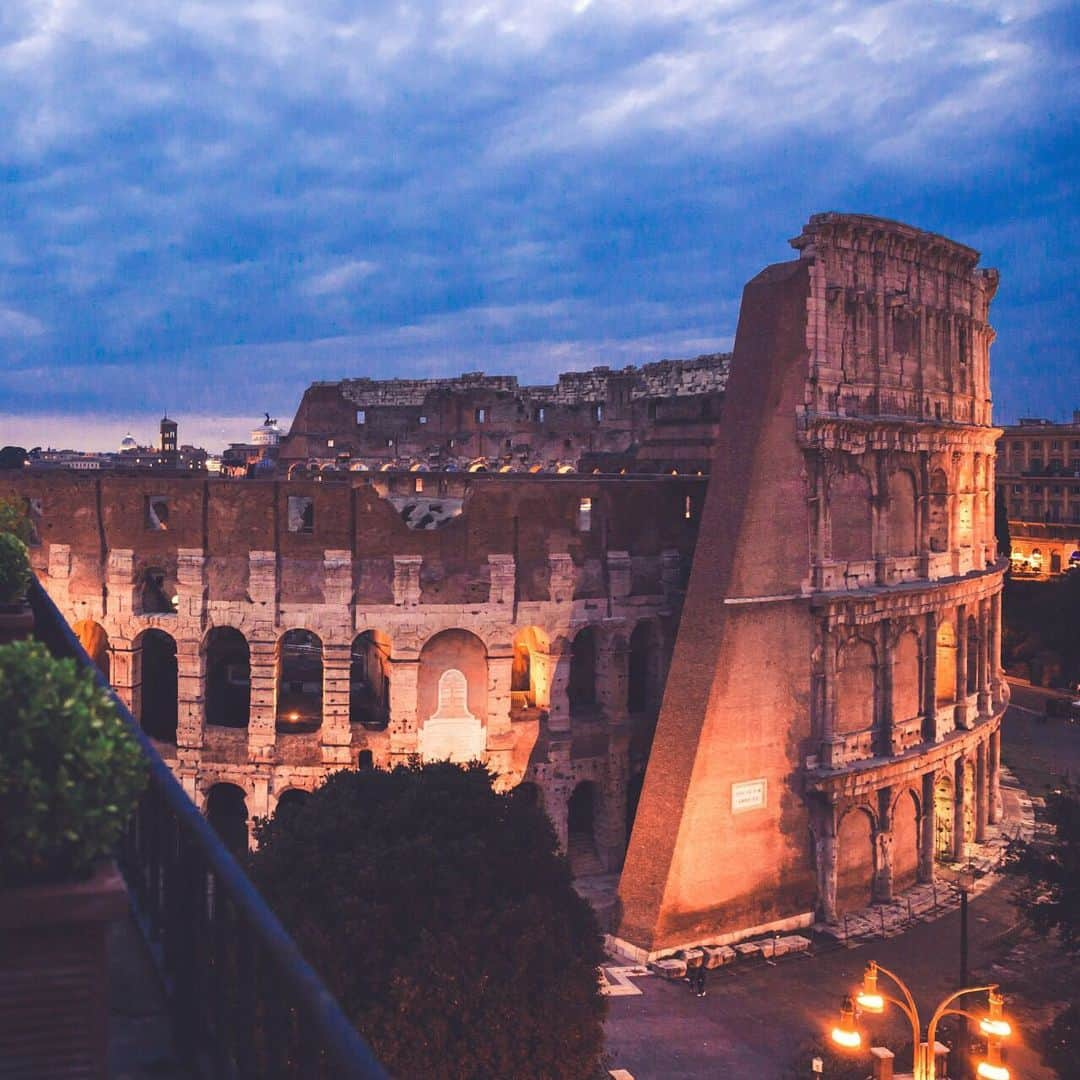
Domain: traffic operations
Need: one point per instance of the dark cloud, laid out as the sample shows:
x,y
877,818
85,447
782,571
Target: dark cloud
x,y
226,201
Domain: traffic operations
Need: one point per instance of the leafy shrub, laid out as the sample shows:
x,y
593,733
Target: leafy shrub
x,y
13,519
70,771
14,568
441,916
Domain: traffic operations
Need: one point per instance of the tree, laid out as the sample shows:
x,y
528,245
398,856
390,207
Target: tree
x,y
12,457
1049,897
442,917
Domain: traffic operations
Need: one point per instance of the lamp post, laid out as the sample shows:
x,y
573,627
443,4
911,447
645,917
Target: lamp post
x,y
870,999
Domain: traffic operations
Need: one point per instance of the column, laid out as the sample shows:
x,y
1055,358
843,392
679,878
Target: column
x,y
959,808
500,672
404,682
883,848
335,734
262,717
995,648
612,679
885,710
190,680
930,681
125,673
611,828
926,835
981,793
825,841
983,659
962,718
829,741
257,800
993,808
559,680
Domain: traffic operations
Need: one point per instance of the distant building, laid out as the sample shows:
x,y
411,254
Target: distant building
x,y
255,457
1038,480
129,456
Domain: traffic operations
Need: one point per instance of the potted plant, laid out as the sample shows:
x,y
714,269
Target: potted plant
x,y
70,774
16,617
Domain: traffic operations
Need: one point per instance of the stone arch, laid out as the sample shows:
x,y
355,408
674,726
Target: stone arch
x,y
939,511
645,665
903,532
290,800
228,677
907,677
584,656
529,675
905,837
95,641
156,694
227,812
851,516
944,814
299,682
369,680
855,860
157,591
452,693
945,664
856,686
582,814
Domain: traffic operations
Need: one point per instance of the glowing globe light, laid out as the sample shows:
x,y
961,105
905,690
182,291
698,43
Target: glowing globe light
x,y
850,1040
995,1027
992,1072
873,1003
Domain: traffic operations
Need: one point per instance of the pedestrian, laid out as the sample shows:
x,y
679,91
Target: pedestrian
x,y
699,980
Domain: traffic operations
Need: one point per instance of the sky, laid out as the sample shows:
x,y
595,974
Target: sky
x,y
205,205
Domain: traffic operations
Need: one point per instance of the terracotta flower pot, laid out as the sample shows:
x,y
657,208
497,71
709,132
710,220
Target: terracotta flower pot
x,y
16,622
54,996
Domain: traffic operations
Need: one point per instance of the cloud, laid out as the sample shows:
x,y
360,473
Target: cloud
x,y
17,324
339,278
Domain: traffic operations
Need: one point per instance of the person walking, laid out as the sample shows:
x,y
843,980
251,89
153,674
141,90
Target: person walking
x,y
699,980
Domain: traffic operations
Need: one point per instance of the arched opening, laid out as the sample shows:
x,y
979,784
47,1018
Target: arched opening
x,y
300,682
157,697
945,681
581,830
452,695
158,595
369,680
528,675
95,641
643,683
854,862
972,655
582,686
939,511
905,831
855,687
226,810
633,798
903,539
228,678
944,809
365,760
851,516
907,681
290,801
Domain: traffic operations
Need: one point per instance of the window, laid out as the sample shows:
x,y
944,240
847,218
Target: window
x,y
1018,447
1018,489
481,416
598,412
419,485
1037,444
1036,465
301,514
540,415
361,416
330,444
584,514
423,419
1055,444
1036,489
1056,489
157,513
1076,444
688,508
389,442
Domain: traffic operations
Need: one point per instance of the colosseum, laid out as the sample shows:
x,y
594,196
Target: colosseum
x,y
737,621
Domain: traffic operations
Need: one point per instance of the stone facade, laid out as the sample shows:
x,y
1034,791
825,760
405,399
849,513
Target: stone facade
x,y
658,418
830,722
831,717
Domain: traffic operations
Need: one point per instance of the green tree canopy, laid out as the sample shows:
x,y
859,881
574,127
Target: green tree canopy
x,y
441,915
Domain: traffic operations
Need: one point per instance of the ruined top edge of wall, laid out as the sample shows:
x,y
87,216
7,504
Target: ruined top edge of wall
x,y
850,230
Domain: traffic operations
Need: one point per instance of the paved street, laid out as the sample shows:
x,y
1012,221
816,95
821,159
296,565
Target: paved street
x,y
755,1020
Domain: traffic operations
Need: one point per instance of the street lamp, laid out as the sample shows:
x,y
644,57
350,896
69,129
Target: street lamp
x,y
870,999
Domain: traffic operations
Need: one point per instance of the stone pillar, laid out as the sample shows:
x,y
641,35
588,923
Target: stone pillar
x,y
262,655
983,664
926,833
962,718
883,849
996,682
559,682
611,826
407,580
562,576
671,574
404,723
125,674
993,763
262,584
337,578
191,584
190,680
830,742
502,570
930,681
619,574
981,793
335,734
959,808
826,850
886,720
60,576
500,672
120,582
612,679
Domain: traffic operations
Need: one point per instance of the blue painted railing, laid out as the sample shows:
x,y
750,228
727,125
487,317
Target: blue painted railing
x,y
244,1001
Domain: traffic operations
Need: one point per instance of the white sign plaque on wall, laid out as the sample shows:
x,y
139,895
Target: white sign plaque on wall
x,y
749,795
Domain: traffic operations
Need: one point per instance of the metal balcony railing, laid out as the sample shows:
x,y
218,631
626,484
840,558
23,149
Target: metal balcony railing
x,y
244,1002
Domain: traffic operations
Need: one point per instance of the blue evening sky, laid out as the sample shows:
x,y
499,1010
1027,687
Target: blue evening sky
x,y
207,204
